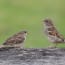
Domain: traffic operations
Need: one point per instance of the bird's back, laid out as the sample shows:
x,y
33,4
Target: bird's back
x,y
15,39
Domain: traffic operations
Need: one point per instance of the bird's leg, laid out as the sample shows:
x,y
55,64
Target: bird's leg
x,y
55,45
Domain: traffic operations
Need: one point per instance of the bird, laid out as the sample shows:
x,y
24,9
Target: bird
x,y
16,40
52,33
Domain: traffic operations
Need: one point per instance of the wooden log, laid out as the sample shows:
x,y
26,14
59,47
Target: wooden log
x,y
32,56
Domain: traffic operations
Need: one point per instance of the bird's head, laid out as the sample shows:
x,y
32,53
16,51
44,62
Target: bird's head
x,y
48,22
24,33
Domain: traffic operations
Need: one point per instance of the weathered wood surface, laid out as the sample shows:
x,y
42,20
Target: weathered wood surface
x,y
16,56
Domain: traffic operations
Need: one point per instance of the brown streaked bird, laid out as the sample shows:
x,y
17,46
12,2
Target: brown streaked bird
x,y
17,40
51,32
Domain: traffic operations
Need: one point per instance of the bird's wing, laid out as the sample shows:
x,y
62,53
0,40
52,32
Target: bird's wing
x,y
53,32
15,39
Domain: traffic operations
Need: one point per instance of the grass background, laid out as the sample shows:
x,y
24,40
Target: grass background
x,y
17,15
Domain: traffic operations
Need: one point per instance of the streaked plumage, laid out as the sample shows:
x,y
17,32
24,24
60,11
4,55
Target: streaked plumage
x,y
51,32
16,40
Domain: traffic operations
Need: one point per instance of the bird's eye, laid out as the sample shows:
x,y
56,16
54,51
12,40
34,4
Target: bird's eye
x,y
25,31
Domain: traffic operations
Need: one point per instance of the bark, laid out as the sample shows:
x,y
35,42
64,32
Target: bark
x,y
32,56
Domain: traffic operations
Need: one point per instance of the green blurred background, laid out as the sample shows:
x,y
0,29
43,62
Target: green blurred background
x,y
17,15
